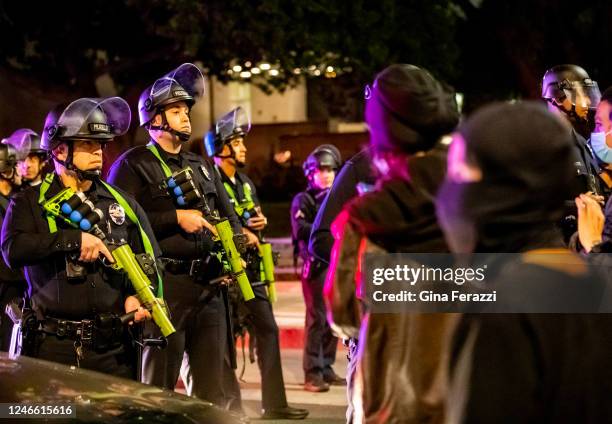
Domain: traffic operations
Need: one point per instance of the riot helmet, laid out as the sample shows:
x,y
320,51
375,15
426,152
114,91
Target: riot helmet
x,y
10,154
26,142
8,157
571,83
185,83
98,119
233,124
324,156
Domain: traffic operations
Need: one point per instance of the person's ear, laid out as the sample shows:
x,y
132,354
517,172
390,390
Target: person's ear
x,y
157,120
226,151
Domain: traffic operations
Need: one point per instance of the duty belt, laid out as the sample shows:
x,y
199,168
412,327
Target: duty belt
x,y
74,330
193,268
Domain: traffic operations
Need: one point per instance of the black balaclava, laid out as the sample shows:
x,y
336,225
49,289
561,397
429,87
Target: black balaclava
x,y
525,155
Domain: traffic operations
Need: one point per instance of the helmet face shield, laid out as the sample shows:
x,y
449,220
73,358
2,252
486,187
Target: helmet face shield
x,y
234,123
19,144
8,158
91,118
183,83
583,95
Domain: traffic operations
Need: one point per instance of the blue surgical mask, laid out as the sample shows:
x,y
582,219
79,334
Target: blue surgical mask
x,y
600,148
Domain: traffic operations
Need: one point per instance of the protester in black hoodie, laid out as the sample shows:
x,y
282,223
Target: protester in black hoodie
x,y
508,175
407,111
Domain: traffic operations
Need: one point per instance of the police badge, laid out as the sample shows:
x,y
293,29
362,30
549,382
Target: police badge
x,y
116,213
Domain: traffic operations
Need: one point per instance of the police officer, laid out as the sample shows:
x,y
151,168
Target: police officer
x,y
225,144
75,298
185,233
12,283
355,176
570,93
31,167
320,346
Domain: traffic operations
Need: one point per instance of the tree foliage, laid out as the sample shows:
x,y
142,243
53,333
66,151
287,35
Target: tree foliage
x,y
71,42
489,49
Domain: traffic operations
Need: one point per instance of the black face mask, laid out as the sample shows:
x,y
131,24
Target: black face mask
x,y
525,157
489,217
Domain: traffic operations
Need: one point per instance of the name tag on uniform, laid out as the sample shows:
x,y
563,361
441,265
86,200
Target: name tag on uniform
x,y
205,172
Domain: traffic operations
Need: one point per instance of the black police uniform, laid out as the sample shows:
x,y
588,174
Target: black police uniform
x,y
12,286
261,315
586,179
199,310
320,345
61,304
587,168
356,170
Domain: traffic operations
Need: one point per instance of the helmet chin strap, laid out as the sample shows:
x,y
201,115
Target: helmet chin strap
x,y
570,113
90,175
581,125
232,154
167,128
10,179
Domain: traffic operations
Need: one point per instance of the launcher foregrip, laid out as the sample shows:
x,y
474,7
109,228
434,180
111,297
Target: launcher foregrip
x,y
267,258
126,261
226,236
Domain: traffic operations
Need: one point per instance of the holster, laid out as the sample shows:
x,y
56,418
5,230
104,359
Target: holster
x,y
26,335
75,270
108,332
14,309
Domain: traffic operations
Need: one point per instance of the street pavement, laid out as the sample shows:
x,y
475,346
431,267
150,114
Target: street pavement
x,y
325,408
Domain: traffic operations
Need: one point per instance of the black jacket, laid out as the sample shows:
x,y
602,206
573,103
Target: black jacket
x,y
587,170
7,275
401,356
27,242
355,170
534,368
138,172
401,216
304,208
